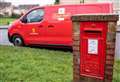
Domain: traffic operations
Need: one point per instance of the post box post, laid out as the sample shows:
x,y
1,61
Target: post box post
x,y
93,47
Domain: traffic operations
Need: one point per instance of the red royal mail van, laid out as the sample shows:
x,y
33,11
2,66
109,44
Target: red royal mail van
x,y
51,25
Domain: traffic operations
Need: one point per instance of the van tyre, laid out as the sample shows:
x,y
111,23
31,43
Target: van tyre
x,y
17,40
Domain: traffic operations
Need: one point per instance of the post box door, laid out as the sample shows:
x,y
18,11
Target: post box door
x,y
92,48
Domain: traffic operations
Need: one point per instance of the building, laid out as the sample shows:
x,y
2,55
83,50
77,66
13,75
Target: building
x,y
69,1
23,8
6,8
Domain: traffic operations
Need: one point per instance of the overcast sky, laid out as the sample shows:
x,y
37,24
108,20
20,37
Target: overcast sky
x,y
41,2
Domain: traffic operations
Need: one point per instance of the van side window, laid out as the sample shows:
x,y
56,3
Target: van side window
x,y
35,16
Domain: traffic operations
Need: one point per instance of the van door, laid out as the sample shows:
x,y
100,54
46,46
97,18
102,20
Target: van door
x,y
32,23
59,26
60,33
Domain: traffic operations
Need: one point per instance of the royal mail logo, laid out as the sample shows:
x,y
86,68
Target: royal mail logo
x,y
61,14
34,32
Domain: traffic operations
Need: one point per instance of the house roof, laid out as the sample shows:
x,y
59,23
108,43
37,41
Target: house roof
x,y
27,6
4,5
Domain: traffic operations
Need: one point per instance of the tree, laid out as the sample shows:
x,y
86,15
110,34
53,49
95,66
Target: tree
x,y
57,1
81,1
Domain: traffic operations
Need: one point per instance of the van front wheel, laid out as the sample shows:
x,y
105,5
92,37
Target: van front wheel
x,y
17,40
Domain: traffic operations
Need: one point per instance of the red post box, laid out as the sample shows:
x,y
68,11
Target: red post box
x,y
93,47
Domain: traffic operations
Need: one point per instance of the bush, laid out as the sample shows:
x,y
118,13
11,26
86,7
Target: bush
x,y
1,15
6,20
57,1
15,16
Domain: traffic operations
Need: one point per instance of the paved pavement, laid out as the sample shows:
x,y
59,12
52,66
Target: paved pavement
x,y
4,35
4,26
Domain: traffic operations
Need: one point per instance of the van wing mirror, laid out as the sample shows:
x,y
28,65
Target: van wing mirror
x,y
24,20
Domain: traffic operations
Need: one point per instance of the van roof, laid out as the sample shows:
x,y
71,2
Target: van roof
x,y
85,4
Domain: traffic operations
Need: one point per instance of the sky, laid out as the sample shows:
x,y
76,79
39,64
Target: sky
x,y
41,2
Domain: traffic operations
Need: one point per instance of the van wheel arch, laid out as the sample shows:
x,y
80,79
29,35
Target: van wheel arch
x,y
17,35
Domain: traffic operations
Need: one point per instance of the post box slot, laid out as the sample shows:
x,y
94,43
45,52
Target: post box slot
x,y
93,30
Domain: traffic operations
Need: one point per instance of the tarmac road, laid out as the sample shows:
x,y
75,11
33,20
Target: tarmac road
x,y
4,35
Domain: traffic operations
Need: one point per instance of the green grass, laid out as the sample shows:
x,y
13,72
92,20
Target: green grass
x,y
6,21
116,77
34,65
38,65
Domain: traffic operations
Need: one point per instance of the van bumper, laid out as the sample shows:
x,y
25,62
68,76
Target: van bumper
x,y
9,38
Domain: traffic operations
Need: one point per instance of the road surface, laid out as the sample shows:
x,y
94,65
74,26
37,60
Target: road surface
x,y
4,35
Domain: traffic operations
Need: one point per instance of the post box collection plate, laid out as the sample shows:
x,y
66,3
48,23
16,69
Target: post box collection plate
x,y
92,46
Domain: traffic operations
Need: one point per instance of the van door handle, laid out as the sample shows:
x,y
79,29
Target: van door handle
x,y
50,26
40,26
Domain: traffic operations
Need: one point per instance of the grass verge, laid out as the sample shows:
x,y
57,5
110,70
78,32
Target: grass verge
x,y
116,77
38,65
6,21
34,65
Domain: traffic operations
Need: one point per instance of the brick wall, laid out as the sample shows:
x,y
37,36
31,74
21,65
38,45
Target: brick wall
x,y
110,50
